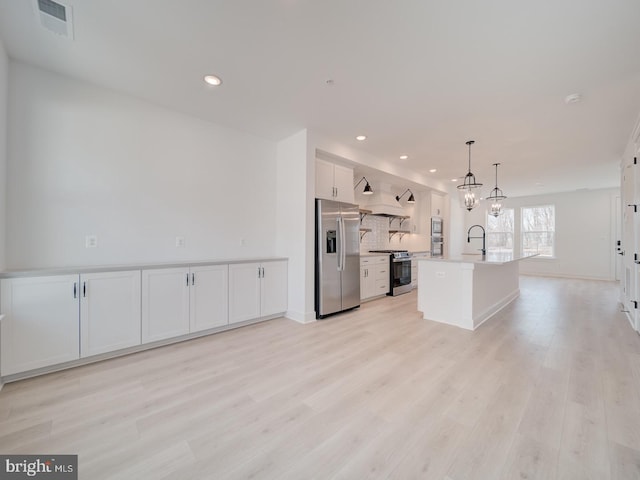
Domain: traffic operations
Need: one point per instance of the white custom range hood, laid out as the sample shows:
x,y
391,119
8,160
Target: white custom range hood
x,y
382,202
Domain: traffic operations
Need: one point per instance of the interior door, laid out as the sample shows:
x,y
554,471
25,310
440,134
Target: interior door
x,y
635,260
629,242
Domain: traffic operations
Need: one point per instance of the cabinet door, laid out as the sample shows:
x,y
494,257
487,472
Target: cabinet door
x,y
165,303
209,299
273,292
343,181
109,311
324,180
41,324
364,291
244,292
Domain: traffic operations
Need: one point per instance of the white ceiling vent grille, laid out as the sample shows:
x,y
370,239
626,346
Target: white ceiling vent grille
x,y
55,16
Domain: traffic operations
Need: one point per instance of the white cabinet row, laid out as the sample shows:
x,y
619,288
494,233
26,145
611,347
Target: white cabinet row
x,y
56,319
374,276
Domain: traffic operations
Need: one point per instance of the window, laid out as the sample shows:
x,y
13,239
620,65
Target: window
x,y
500,232
539,230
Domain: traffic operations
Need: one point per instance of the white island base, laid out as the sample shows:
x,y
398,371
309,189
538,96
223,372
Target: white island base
x,y
468,290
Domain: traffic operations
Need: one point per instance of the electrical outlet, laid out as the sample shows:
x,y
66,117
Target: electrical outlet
x,y
180,242
243,242
91,241
440,274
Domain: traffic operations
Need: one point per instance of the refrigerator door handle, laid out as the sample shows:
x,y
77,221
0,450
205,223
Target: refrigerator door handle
x,y
339,243
343,230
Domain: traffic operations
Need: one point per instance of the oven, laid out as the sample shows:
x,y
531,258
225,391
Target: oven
x,y
437,244
400,273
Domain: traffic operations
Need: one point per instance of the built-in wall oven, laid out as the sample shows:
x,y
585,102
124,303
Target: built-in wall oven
x,y
437,243
399,271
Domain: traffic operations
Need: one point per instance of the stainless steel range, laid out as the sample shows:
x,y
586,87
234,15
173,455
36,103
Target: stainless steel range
x,y
399,270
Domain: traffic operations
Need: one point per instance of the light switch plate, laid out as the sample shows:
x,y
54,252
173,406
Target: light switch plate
x,y
180,242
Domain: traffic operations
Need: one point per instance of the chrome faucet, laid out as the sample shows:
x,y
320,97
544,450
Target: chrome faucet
x,y
483,237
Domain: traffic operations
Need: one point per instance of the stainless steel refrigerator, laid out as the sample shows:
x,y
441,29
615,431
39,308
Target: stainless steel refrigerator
x,y
337,257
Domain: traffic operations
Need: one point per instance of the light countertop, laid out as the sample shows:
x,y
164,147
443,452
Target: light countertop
x,y
38,272
489,259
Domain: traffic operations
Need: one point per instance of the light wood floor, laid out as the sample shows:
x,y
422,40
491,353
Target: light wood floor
x,y
548,389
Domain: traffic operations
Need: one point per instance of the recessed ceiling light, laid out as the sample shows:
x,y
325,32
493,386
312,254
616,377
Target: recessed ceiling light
x,y
361,138
573,98
213,80
404,157
454,179
433,170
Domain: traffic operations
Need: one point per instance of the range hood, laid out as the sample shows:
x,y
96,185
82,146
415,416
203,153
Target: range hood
x,y
382,202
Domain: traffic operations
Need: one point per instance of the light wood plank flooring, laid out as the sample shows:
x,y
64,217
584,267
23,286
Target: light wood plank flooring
x,y
547,389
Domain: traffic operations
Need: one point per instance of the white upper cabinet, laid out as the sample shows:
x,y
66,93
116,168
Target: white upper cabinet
x,y
334,182
165,303
40,327
109,311
437,205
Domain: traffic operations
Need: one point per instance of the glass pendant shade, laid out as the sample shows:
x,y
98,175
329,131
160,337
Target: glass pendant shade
x,y
496,209
469,198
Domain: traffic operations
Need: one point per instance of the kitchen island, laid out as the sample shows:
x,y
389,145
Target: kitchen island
x,y
467,290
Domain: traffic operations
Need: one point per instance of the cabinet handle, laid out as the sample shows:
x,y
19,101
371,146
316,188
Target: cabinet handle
x,y
84,289
259,272
75,290
262,272
187,279
193,279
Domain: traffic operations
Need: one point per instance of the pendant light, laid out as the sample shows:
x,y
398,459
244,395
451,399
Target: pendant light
x,y
468,187
495,197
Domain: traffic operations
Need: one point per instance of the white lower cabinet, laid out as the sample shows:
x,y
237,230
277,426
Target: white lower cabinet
x,y
56,319
257,290
165,303
40,327
208,297
177,301
374,276
109,311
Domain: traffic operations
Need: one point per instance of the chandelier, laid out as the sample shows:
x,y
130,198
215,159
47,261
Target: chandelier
x,y
468,187
495,197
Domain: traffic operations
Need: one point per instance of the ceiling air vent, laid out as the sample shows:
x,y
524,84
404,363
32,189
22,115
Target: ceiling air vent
x,y
55,16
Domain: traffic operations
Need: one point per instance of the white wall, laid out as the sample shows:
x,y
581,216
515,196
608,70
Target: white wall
x,y
4,87
294,217
85,160
585,243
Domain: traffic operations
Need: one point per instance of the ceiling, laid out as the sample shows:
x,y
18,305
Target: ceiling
x,y
418,77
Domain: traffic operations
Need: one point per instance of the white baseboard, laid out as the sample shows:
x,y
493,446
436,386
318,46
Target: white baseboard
x,y
493,309
301,317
